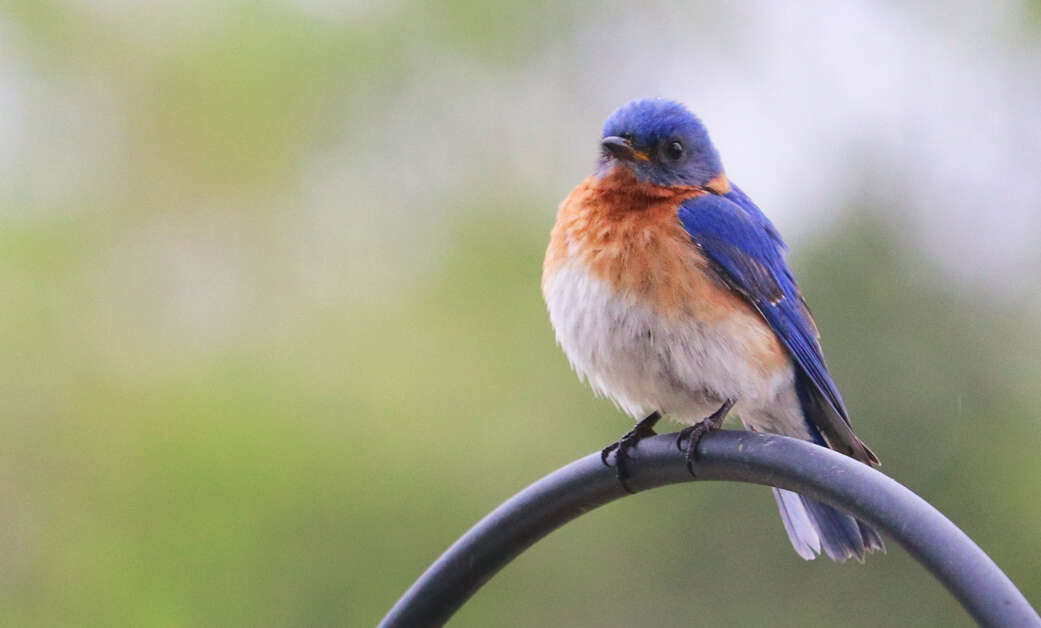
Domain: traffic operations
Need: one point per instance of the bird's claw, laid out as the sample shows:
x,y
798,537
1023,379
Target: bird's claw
x,y
642,430
696,432
693,434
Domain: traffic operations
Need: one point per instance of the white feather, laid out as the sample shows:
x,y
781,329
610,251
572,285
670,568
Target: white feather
x,y
644,362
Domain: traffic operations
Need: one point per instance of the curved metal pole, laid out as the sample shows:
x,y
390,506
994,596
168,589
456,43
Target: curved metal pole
x,y
967,572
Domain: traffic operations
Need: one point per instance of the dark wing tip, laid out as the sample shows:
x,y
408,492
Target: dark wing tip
x,y
868,455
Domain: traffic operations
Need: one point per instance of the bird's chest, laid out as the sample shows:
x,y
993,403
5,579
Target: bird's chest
x,y
641,315
629,237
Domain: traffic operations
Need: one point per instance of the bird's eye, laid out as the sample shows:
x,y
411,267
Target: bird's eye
x,y
673,150
627,136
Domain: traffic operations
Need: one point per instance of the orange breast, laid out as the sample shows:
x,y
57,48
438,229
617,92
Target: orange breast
x,y
627,234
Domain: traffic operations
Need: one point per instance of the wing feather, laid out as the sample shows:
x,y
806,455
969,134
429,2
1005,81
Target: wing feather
x,y
748,254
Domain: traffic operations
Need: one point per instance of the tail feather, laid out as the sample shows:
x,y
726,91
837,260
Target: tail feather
x,y
801,531
872,540
813,526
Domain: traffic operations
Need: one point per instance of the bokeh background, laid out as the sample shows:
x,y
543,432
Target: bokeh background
x,y
272,334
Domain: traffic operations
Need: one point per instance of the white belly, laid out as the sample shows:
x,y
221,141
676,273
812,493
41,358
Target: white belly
x,y
685,369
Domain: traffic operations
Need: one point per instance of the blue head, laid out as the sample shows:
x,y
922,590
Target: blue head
x,y
661,142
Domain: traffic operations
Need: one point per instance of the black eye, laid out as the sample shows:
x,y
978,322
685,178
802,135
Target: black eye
x,y
627,136
673,150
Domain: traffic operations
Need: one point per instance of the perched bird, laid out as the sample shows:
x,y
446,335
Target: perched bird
x,y
668,291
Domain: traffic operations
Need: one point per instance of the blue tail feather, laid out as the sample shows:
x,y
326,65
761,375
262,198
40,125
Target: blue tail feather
x,y
814,527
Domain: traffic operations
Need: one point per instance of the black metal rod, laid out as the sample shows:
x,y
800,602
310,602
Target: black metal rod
x,y
952,557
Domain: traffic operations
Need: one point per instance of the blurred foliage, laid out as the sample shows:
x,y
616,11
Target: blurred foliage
x,y
223,408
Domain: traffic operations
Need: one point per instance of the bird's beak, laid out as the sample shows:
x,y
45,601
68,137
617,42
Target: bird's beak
x,y
622,148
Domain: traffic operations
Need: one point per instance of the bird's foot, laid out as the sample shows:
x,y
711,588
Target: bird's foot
x,y
642,430
694,433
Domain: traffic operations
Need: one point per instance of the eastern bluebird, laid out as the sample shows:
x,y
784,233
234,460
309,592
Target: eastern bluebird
x,y
669,293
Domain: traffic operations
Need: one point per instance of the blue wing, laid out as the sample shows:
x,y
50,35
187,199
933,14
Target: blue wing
x,y
748,253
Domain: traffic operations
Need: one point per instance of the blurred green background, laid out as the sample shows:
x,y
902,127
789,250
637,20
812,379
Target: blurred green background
x,y
273,336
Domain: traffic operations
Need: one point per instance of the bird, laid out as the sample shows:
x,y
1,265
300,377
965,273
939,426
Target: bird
x,y
668,291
